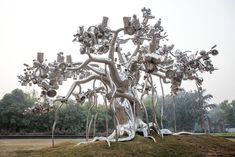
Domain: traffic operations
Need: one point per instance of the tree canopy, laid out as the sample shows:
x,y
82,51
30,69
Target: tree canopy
x,y
72,117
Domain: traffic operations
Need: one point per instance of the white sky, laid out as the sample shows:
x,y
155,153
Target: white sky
x,y
31,26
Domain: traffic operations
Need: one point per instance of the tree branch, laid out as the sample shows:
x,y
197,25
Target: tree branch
x,y
112,44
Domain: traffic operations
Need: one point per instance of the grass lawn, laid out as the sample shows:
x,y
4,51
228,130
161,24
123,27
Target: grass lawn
x,y
11,147
224,134
181,146
231,139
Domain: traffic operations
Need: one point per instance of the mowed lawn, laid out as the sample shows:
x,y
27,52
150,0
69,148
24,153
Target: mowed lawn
x,y
9,147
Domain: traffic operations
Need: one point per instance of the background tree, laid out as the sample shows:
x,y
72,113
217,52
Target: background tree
x,y
12,107
188,110
185,111
202,108
228,112
72,116
216,118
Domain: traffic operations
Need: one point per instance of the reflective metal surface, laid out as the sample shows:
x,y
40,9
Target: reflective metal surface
x,y
122,76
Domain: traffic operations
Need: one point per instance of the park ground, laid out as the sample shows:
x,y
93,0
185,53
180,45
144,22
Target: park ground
x,y
183,145
11,147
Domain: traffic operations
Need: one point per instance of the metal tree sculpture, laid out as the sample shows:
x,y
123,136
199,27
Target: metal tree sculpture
x,y
126,77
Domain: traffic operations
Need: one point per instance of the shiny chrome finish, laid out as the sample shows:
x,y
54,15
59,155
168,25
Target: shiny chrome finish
x,y
123,77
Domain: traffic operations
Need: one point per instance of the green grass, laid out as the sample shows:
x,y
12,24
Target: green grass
x,y
224,134
183,145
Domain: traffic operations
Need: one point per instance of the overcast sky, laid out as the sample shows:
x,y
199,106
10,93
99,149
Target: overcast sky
x,y
30,26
